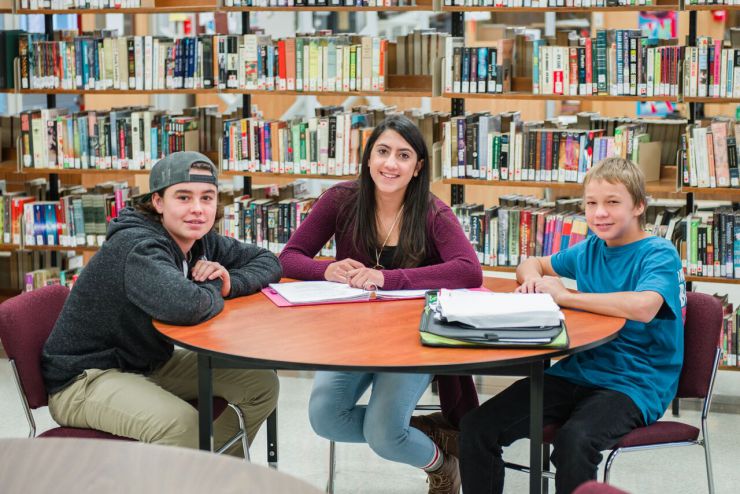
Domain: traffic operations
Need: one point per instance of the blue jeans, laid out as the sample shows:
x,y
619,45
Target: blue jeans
x,y
383,423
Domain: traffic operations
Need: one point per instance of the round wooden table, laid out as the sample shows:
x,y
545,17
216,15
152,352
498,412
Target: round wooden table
x,y
252,332
96,466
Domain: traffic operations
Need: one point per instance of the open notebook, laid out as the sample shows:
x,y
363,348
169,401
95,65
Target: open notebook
x,y
328,292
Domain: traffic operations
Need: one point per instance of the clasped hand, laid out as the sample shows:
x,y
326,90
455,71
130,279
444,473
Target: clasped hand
x,y
210,270
355,274
544,284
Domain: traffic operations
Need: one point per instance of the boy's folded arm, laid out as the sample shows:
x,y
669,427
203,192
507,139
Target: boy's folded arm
x,y
534,267
635,306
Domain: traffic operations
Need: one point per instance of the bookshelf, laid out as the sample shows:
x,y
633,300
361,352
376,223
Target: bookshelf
x,y
411,87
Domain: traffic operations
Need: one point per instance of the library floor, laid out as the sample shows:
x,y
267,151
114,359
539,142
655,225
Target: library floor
x,y
305,455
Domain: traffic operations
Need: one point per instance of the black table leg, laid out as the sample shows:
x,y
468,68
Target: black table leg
x,y
272,449
536,387
205,403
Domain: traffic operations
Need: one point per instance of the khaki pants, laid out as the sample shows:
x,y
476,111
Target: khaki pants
x,y
152,409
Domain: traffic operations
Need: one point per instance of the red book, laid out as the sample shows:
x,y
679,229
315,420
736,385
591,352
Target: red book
x,y
282,68
589,66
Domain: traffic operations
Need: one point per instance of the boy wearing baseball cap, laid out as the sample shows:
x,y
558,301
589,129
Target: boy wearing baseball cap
x,y
104,364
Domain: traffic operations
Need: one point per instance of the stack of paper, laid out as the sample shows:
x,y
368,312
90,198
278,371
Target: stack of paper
x,y
311,292
498,310
316,292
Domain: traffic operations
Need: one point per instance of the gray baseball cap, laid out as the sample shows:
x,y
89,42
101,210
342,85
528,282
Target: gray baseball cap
x,y
175,169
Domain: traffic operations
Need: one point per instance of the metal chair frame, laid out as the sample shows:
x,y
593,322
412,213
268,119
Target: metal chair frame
x,y
239,436
702,440
333,458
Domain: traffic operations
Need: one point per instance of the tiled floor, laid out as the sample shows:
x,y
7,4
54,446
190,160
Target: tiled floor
x,y
305,455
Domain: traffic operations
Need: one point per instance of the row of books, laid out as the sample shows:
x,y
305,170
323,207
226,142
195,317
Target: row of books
x,y
323,62
478,69
131,138
544,3
319,3
79,4
102,60
501,147
729,338
711,70
708,154
520,227
77,219
329,143
50,276
709,243
616,62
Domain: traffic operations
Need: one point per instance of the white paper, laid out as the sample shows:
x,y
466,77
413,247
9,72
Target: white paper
x,y
306,292
499,310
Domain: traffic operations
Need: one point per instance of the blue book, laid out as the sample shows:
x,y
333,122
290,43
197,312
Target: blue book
x,y
482,69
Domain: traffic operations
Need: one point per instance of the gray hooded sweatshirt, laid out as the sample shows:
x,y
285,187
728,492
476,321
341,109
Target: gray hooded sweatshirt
x,y
138,275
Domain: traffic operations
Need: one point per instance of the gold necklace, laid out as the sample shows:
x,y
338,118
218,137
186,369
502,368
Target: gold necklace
x,y
378,252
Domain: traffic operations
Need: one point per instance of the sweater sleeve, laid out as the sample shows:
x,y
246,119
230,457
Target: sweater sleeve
x,y
297,258
154,283
251,268
459,268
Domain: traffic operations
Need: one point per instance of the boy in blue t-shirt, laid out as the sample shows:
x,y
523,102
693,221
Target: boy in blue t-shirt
x,y
601,394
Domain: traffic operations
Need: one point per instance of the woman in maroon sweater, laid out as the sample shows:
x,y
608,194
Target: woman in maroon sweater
x,y
390,233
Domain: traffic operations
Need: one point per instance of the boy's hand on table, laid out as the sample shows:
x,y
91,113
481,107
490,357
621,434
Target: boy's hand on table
x,y
528,286
553,286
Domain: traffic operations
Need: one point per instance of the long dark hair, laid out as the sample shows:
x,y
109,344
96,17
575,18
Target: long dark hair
x,y
359,210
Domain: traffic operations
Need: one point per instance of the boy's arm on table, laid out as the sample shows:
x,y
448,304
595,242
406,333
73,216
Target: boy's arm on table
x,y
537,275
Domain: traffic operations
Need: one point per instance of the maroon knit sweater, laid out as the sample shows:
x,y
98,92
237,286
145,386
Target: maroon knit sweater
x,y
451,263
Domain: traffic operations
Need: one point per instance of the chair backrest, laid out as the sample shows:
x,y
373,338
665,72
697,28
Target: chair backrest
x,y
25,324
702,331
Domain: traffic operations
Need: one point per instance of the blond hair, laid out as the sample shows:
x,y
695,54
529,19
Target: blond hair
x,y
619,170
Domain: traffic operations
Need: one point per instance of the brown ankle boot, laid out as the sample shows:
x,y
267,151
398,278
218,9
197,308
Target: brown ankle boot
x,y
446,479
439,430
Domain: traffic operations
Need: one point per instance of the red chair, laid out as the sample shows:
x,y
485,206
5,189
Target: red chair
x,y
702,352
593,487
25,323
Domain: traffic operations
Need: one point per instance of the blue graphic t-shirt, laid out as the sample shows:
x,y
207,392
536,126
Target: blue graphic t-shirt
x,y
644,360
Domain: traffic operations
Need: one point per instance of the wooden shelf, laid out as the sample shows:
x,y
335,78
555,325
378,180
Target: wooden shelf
x,y
557,97
57,248
118,91
511,183
729,368
715,101
234,173
621,8
711,7
665,185
411,93
155,7
711,101
714,279
81,171
715,192
499,269
329,8
53,248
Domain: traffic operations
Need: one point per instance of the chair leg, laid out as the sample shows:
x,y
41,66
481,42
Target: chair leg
x,y
332,467
243,428
610,459
708,460
241,435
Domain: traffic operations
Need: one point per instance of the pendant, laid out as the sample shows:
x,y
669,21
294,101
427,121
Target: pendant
x,y
378,267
